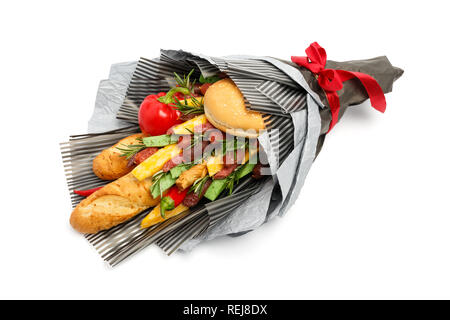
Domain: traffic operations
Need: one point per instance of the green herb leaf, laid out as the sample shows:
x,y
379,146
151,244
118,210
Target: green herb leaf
x,y
197,187
209,79
186,81
184,85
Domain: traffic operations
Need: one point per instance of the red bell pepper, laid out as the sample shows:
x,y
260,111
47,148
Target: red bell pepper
x,y
172,199
157,113
86,193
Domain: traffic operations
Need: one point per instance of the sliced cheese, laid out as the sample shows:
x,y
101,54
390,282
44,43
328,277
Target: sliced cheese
x,y
188,126
156,162
214,164
190,102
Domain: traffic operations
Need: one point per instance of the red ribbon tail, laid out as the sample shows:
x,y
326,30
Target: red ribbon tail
x,y
335,105
373,89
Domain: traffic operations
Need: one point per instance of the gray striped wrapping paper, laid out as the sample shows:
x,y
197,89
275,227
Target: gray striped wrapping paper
x,y
268,85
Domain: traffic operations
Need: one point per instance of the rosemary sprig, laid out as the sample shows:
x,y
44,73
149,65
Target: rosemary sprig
x,y
232,180
186,109
195,139
129,150
232,145
185,82
197,187
157,176
184,85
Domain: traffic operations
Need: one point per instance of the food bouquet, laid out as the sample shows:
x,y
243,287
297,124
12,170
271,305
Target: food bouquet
x,y
186,147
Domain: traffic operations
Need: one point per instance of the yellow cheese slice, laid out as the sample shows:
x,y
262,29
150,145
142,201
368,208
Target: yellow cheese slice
x,y
155,163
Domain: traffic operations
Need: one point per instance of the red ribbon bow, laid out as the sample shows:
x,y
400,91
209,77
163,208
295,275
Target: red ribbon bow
x,y
331,80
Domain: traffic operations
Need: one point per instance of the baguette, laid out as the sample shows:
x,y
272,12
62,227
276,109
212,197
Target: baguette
x,y
109,164
113,204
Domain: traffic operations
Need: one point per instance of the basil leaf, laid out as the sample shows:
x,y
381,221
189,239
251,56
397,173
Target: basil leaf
x,y
208,79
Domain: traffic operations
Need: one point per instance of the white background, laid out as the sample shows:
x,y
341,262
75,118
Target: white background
x,y
372,220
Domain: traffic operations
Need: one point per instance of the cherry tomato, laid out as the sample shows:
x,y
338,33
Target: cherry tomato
x,y
155,117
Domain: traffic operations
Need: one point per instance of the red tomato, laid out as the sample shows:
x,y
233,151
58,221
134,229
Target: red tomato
x,y
155,117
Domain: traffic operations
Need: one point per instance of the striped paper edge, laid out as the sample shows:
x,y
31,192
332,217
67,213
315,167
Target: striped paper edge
x,y
290,100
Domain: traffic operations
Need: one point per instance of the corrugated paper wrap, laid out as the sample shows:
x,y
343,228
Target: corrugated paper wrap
x,y
297,124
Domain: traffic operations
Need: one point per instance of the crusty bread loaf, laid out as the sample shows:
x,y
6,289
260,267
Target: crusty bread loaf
x,y
115,203
109,164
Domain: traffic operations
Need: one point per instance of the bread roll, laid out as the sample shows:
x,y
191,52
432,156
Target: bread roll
x,y
113,204
109,164
225,108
